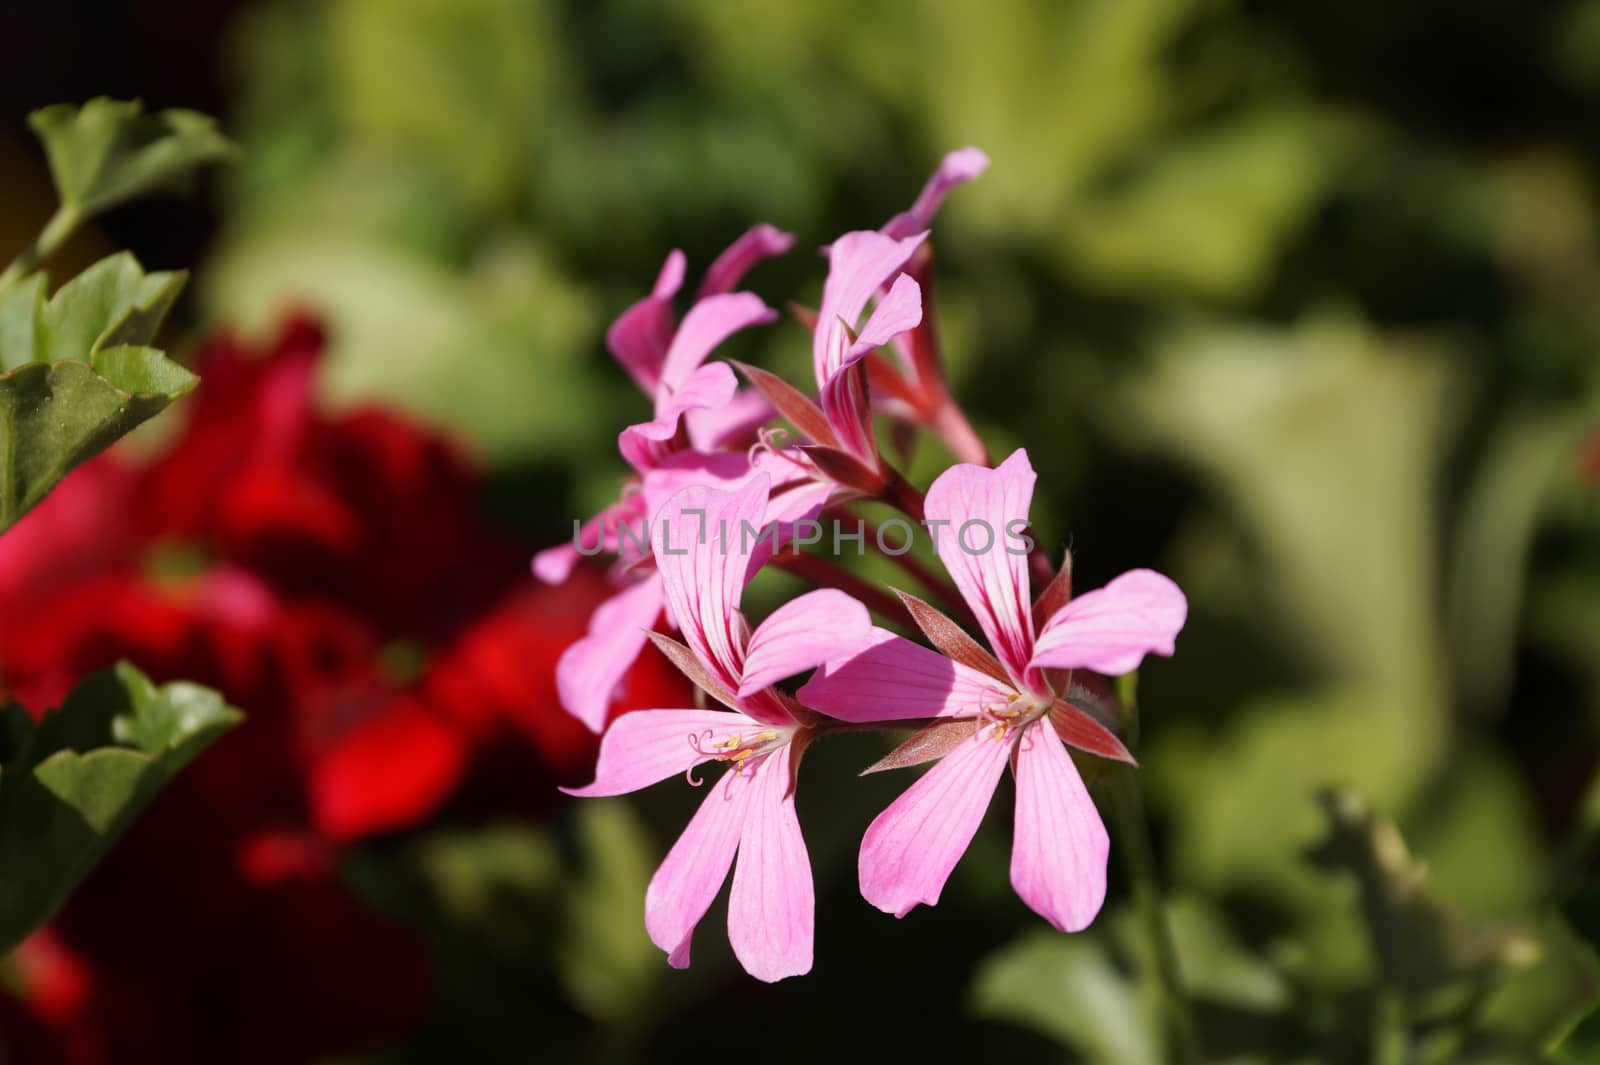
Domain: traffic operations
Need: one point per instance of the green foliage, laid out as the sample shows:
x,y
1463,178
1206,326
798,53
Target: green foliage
x,y
610,965
1068,988
78,372
1313,335
71,784
1419,943
107,152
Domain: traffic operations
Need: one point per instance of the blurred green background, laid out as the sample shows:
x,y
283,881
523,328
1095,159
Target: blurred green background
x,y
1294,301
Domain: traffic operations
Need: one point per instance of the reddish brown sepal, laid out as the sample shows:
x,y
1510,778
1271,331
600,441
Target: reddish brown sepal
x,y
951,639
925,745
694,669
845,469
1080,730
1057,594
795,407
806,316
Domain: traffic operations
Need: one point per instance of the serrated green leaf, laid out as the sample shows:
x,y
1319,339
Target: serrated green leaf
x,y
70,786
113,302
143,372
77,373
55,416
21,307
109,151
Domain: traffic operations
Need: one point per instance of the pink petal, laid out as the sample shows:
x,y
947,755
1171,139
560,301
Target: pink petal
x,y
983,512
703,539
1111,629
758,243
728,471
555,564
900,310
588,672
734,424
709,323
798,503
911,848
598,535
802,634
692,872
646,746
848,409
892,679
859,264
647,444
772,908
958,167
640,336
1058,859
795,496
670,279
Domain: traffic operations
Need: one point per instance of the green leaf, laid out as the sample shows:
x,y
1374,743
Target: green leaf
x,y
113,302
1421,943
1069,989
77,372
21,307
477,875
72,784
109,151
607,961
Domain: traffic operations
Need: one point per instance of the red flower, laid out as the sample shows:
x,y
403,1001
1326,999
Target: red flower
x,y
330,575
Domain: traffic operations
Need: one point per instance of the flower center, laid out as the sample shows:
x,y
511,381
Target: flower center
x,y
1019,712
737,747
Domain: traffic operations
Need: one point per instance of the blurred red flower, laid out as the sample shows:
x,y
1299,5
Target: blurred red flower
x,y
331,575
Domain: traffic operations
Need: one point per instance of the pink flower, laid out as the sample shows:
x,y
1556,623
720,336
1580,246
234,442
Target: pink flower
x,y
894,266
1012,700
913,388
956,168
667,360
859,265
696,406
704,554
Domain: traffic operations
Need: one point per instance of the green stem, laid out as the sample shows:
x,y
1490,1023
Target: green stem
x,y
1127,815
56,232
1390,1043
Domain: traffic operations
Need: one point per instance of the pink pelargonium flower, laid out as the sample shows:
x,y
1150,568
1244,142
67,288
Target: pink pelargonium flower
x,y
646,342
703,557
667,360
1009,706
664,359
589,672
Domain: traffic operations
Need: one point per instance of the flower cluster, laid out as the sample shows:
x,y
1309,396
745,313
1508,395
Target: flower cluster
x,y
329,573
712,479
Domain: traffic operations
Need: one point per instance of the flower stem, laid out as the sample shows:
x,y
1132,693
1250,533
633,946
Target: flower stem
x,y
915,568
56,232
826,573
903,496
1127,815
